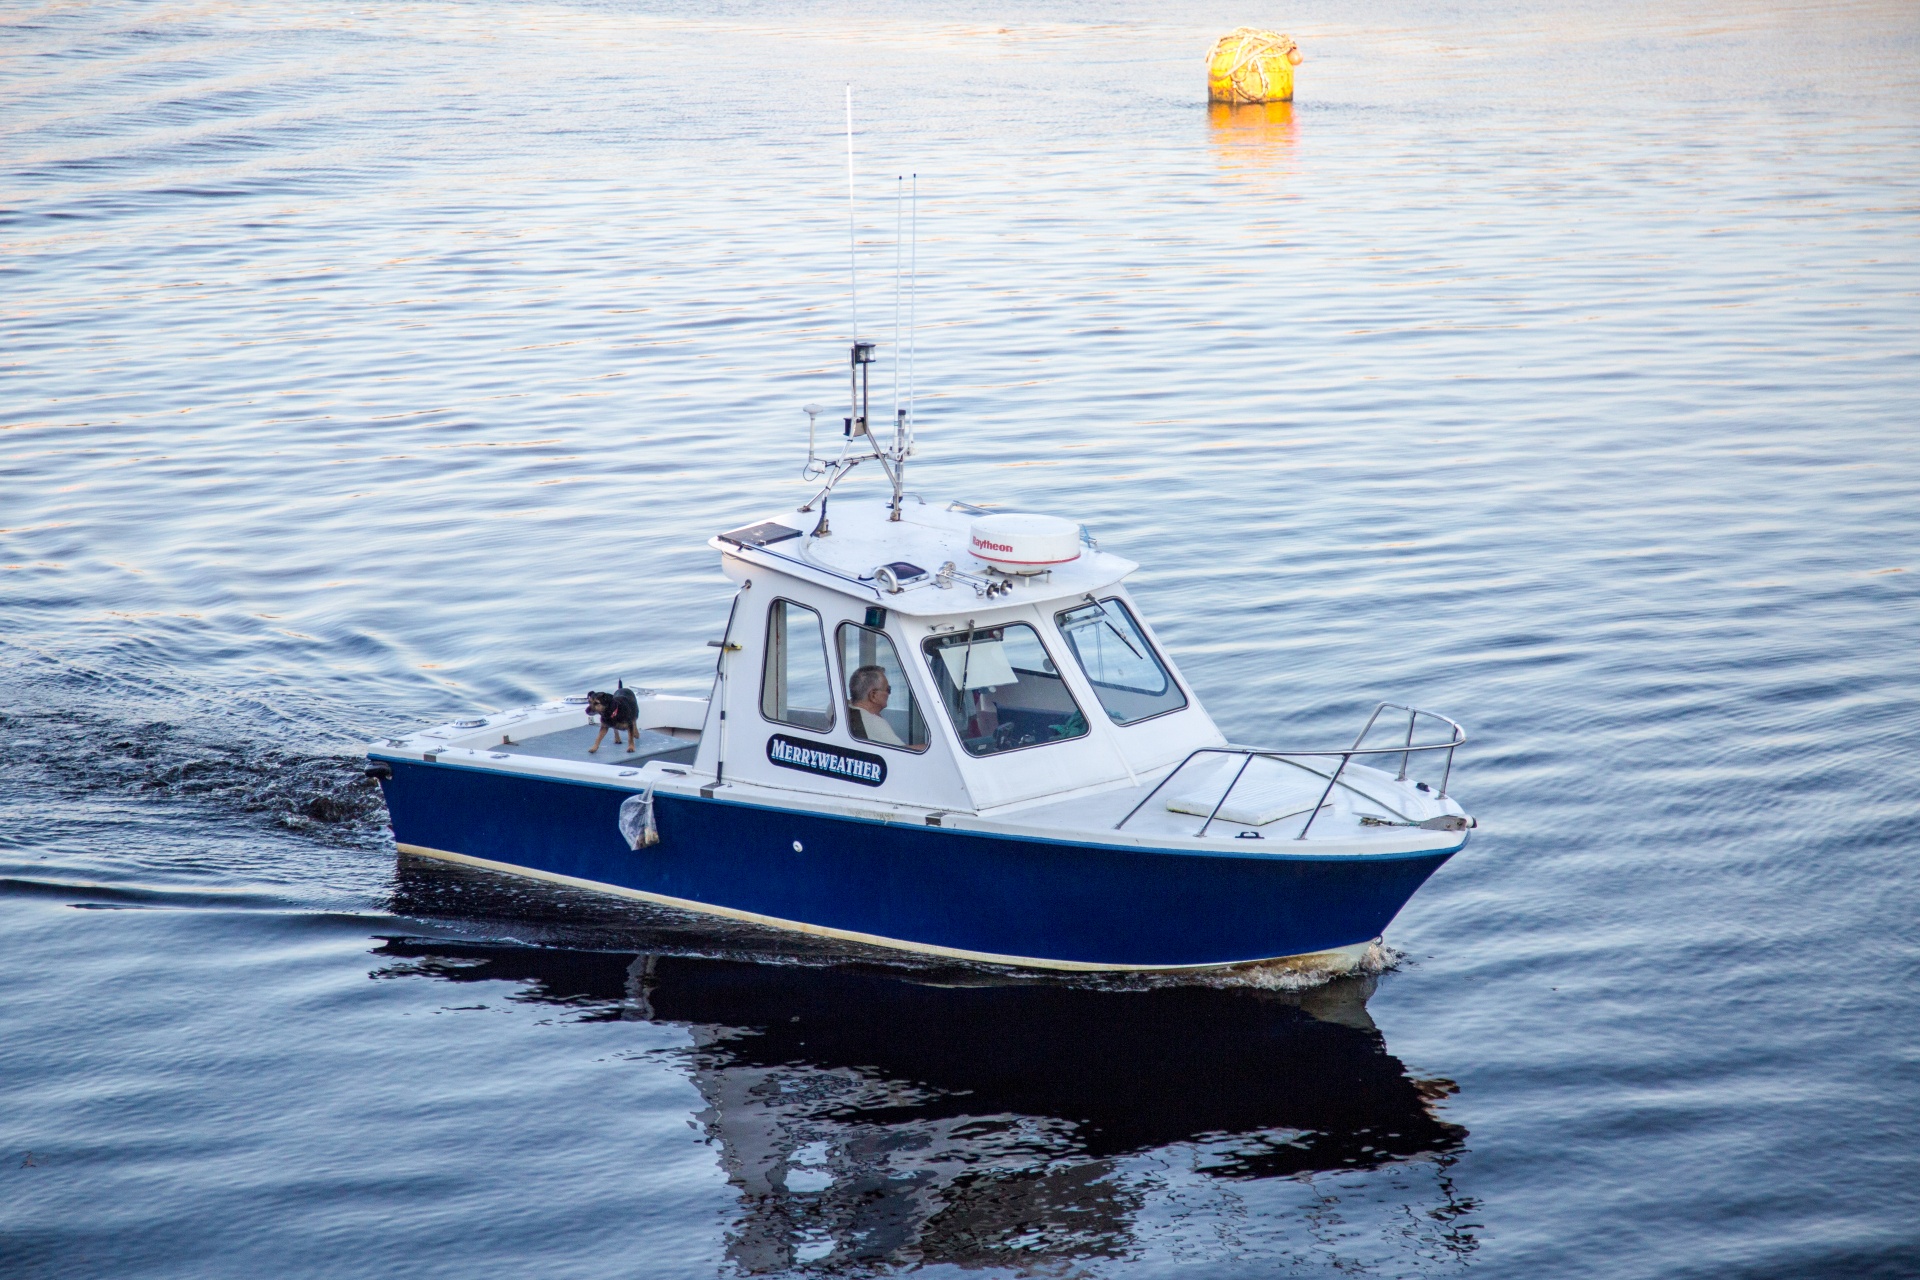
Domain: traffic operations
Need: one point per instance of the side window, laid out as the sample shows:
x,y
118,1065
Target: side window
x,y
880,703
796,688
1001,689
1127,675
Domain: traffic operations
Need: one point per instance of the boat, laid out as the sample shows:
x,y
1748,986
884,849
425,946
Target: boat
x,y
944,729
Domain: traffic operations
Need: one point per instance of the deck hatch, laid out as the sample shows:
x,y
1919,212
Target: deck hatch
x,y
760,535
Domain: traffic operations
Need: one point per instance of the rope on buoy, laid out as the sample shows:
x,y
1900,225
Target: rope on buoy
x,y
1251,65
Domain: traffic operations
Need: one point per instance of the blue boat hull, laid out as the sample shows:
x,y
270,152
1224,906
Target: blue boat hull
x,y
984,896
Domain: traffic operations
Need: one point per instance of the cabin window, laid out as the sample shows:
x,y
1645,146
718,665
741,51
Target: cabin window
x,y
880,703
796,688
1126,674
1002,690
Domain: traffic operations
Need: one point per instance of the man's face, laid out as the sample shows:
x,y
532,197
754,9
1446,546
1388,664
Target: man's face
x,y
877,696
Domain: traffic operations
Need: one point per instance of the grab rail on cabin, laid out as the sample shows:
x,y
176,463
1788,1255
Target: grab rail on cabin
x,y
1405,750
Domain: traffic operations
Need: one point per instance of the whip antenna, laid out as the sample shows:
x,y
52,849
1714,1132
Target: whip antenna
x,y
853,270
913,296
892,460
899,427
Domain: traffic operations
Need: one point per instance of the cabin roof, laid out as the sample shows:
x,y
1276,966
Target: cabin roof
x,y
861,539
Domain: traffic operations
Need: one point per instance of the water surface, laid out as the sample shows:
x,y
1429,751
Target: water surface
x,y
1550,368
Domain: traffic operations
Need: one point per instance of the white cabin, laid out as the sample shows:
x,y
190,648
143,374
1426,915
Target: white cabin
x,y
992,688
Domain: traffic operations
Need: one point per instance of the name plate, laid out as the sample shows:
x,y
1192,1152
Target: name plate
x,y
828,761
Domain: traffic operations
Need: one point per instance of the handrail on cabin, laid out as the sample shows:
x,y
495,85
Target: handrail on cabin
x,y
1404,750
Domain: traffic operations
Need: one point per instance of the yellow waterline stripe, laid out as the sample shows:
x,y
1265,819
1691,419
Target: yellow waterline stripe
x,y
846,935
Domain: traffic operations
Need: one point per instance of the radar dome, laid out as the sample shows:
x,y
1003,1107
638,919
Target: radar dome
x,y
1018,543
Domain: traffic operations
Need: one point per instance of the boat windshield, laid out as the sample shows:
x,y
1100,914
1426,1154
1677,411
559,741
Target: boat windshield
x,y
1127,675
1001,689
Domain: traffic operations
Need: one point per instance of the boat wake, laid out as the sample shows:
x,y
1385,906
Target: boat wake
x,y
1282,975
217,770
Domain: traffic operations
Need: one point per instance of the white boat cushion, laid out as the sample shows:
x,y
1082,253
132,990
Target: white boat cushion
x,y
1269,791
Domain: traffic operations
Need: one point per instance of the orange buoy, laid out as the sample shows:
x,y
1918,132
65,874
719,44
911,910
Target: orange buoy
x,y
1251,65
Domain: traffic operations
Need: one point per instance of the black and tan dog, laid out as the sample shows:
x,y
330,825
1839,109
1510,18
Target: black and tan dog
x,y
618,711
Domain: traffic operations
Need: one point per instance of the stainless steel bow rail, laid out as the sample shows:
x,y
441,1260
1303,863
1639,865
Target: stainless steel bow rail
x,y
1404,750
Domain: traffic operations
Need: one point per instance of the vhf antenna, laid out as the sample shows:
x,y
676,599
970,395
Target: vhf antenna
x,y
913,297
899,190
853,267
859,364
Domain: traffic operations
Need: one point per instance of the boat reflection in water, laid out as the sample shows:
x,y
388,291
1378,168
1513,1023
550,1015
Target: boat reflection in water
x,y
872,1115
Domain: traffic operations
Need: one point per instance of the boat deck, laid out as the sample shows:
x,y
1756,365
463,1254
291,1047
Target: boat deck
x,y
1271,802
1268,809
573,743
